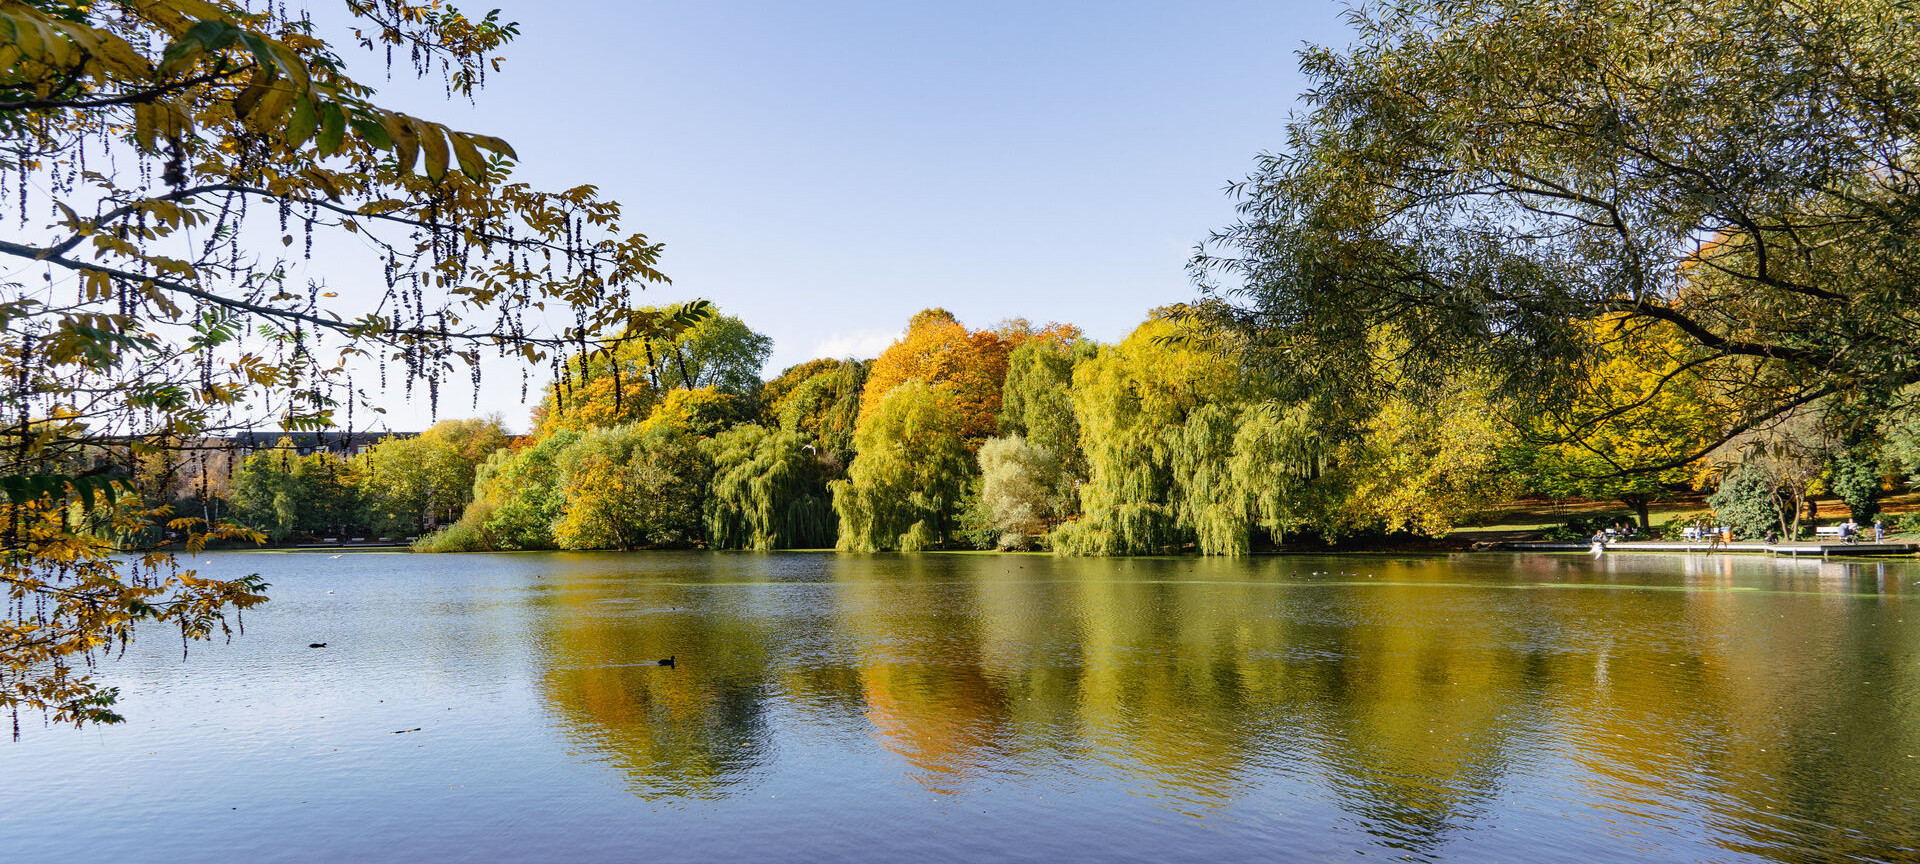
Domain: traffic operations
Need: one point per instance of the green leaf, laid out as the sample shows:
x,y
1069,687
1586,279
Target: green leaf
x,y
302,122
371,131
333,127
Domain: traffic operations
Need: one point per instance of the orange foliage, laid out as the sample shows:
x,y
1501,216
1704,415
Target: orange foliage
x,y
968,366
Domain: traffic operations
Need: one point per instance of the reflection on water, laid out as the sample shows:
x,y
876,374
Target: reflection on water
x,y
1462,708
1766,700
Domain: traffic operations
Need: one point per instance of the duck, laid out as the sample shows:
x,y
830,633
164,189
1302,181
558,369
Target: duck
x,y
668,662
316,645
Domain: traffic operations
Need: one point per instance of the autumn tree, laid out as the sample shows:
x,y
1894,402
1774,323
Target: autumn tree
x,y
150,147
1644,397
631,487
970,367
1126,398
412,484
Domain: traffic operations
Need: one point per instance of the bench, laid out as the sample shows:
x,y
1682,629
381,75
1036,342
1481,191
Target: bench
x,y
1833,533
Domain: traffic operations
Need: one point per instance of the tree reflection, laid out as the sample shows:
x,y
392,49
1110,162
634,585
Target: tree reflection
x,y
1766,704
695,730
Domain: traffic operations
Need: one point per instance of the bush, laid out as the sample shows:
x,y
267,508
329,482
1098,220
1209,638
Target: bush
x,y
1745,503
1857,483
458,537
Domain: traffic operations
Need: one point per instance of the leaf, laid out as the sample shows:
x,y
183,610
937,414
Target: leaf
x,y
434,143
302,122
333,127
471,163
243,104
371,131
406,144
496,145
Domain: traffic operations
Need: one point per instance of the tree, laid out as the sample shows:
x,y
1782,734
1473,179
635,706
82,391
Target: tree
x,y
1036,402
1855,478
412,485
517,499
1645,397
970,367
632,487
1789,457
775,390
1020,491
164,138
1748,502
281,492
1739,174
620,382
720,352
825,409
1126,398
768,492
910,479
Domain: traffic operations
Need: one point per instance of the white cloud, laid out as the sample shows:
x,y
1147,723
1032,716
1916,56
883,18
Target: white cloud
x,y
860,344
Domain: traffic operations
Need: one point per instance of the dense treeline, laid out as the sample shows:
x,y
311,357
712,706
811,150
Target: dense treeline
x,y
1016,437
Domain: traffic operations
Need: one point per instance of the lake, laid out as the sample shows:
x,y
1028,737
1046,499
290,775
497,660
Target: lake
x,y
963,707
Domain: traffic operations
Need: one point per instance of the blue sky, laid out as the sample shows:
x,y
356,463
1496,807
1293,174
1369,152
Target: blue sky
x,y
826,169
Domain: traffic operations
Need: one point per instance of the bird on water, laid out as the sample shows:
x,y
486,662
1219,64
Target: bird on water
x,y
668,662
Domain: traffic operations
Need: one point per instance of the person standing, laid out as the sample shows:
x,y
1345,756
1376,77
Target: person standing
x,y
1879,530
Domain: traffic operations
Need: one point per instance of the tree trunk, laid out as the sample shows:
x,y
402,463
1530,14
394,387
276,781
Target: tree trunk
x,y
1640,505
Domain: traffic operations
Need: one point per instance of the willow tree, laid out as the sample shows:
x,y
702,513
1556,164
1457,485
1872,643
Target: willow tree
x,y
1036,403
172,163
825,408
1130,399
905,488
1484,179
767,493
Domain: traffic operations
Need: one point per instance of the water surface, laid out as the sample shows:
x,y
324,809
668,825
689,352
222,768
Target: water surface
x,y
1017,707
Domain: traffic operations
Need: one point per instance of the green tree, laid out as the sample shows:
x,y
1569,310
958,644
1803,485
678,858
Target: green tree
x,y
281,493
720,352
1735,172
411,485
1855,478
1748,502
825,409
905,488
1127,397
1020,491
1037,400
768,492
775,390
